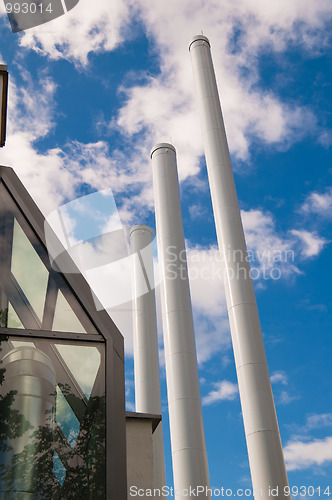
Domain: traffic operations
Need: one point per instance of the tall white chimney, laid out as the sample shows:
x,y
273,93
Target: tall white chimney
x,y
190,468
146,359
260,421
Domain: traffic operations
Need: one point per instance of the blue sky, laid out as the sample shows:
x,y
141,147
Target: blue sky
x,y
93,91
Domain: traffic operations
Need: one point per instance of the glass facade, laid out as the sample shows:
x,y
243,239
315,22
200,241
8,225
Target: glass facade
x,y
62,427
32,293
52,442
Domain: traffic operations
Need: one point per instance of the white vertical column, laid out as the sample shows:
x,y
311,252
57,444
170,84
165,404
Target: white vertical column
x,y
185,412
146,359
262,433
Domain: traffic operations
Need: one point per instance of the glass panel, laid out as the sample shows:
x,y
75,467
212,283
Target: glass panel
x,y
52,439
13,321
19,343
58,469
65,320
66,419
27,277
29,271
85,365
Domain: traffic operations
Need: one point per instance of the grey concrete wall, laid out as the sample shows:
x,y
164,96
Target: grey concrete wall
x,y
139,456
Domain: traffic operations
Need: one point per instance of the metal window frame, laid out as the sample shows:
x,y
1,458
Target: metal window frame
x,y
64,373
108,333
4,97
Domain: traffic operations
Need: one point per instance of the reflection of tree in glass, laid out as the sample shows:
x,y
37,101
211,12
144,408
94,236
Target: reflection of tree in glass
x,y
85,464
12,423
4,317
31,469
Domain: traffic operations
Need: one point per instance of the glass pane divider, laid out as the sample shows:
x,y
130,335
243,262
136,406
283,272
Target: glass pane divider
x,y
55,336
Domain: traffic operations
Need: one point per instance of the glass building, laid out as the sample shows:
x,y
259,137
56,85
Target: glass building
x,y
62,408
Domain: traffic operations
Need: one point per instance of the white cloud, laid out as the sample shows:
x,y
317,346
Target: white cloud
x,y
304,451
30,117
312,243
279,377
318,421
165,112
164,105
284,398
205,275
313,422
224,391
101,28
53,176
273,250
85,29
302,455
319,203
130,392
212,333
197,211
266,248
208,300
123,319
130,406
325,138
268,252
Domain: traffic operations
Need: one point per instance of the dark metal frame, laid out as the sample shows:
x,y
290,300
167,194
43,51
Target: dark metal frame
x,y
106,332
3,110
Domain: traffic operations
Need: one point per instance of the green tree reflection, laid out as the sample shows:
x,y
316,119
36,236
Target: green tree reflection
x,y
30,472
12,424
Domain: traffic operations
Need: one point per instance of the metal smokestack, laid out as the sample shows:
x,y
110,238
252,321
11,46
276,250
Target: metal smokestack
x,y
147,378
185,412
260,421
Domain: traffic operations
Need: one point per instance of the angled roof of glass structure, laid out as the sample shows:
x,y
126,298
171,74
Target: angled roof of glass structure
x,y
61,369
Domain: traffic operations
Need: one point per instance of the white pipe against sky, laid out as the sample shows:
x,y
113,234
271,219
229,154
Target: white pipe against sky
x,y
185,412
146,358
260,421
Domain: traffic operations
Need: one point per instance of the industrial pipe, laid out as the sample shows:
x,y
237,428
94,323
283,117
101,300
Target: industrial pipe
x,y
146,358
189,459
259,416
